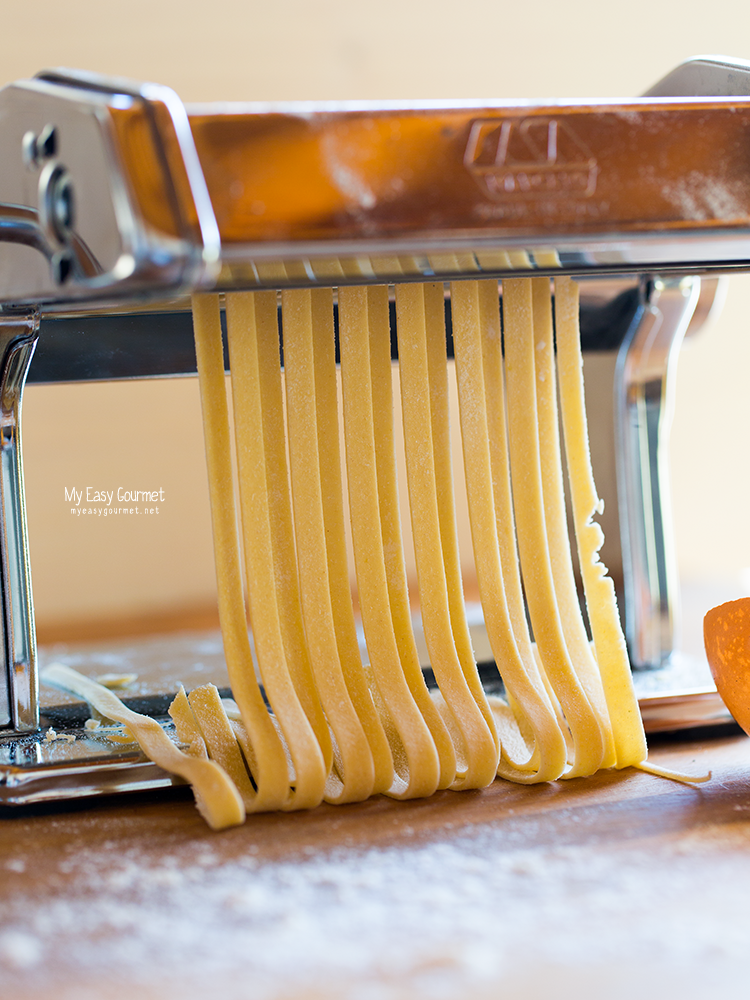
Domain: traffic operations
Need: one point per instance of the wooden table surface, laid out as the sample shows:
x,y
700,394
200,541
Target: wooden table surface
x,y
623,882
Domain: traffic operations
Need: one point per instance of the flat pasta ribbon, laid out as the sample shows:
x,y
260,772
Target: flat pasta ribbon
x,y
319,722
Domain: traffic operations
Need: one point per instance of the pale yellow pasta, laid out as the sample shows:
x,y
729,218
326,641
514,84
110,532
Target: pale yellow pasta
x,y
378,334
215,793
491,367
354,775
466,711
545,760
341,729
272,774
493,260
326,412
533,540
416,758
285,575
186,726
264,496
574,630
609,642
220,741
437,375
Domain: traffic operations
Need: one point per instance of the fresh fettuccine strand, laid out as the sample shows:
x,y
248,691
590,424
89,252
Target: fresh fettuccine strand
x,y
252,322
378,318
574,630
437,374
485,299
326,411
186,726
272,774
545,760
280,510
220,740
473,736
609,642
355,775
533,541
415,756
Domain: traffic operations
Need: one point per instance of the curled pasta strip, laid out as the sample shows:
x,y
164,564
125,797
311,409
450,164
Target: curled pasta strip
x,y
571,619
216,795
494,388
424,394
533,539
374,517
533,745
378,316
326,411
271,776
609,642
354,776
343,730
272,586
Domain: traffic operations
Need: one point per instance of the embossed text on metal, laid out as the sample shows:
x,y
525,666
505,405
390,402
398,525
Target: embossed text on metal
x,y
528,158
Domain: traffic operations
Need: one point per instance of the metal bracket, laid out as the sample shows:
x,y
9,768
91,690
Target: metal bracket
x,y
100,177
644,405
705,76
19,695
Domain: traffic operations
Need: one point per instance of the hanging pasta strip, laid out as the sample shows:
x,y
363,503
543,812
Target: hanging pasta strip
x,y
547,758
326,400
437,371
488,312
473,737
381,370
354,773
251,326
271,775
415,756
573,627
280,511
533,544
609,642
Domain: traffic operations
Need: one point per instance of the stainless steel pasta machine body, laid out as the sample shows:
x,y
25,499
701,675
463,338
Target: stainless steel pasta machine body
x,y
117,202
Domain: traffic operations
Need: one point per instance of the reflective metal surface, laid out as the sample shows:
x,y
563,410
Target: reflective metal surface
x,y
114,197
379,192
71,225
644,402
154,344
112,190
19,687
705,76
33,771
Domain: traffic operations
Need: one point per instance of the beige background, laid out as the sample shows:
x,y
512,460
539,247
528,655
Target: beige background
x,y
147,435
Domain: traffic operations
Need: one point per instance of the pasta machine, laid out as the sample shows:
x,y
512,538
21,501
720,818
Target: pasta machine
x,y
117,202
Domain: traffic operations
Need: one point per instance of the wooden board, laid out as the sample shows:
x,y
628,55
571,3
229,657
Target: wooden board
x,y
598,886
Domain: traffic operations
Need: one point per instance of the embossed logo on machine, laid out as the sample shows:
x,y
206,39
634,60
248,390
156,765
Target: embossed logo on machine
x,y
528,158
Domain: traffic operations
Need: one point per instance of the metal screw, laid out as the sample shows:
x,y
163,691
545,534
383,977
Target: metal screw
x,y
56,202
46,144
62,203
38,148
28,150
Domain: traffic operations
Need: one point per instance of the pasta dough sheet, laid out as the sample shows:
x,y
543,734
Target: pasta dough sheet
x,y
325,724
